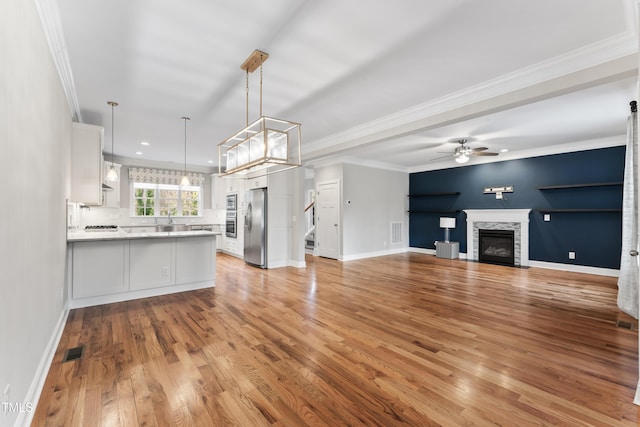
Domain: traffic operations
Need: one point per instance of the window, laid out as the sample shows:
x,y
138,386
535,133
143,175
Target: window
x,y
158,200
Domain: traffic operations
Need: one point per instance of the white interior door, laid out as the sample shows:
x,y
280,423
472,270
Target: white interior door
x,y
328,219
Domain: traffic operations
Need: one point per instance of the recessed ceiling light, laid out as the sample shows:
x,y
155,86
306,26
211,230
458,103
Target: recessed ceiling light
x,y
504,150
209,161
139,153
144,143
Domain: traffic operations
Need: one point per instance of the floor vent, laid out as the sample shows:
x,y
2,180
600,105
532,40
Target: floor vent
x,y
73,354
625,325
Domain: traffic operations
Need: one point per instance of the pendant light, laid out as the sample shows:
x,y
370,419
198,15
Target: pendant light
x,y
265,146
112,175
185,179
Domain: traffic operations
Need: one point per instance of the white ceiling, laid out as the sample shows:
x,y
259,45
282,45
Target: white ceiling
x,y
378,81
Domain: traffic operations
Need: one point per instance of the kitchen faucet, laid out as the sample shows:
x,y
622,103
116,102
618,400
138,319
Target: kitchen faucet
x,y
170,219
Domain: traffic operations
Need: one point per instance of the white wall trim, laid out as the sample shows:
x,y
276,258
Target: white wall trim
x,y
373,254
297,264
575,268
543,264
571,147
143,293
52,25
618,51
335,160
37,384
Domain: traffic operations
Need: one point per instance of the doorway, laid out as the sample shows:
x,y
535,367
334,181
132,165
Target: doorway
x,y
328,219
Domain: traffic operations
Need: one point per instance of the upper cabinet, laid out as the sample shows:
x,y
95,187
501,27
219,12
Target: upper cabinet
x,y
86,163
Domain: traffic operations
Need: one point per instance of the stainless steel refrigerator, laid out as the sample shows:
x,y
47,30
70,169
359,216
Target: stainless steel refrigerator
x,y
255,228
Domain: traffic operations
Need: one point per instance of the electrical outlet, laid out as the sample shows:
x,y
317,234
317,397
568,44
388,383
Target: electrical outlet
x,y
165,271
572,255
547,217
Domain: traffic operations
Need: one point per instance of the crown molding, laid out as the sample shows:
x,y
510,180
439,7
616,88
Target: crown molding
x,y
612,55
570,147
52,25
335,160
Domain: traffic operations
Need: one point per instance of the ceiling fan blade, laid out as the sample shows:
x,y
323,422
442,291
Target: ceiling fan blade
x,y
441,157
475,150
485,153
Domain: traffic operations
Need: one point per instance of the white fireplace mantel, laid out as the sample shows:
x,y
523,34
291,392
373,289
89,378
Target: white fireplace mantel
x,y
520,216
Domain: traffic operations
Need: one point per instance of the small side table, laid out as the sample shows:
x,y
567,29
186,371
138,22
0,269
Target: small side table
x,y
449,250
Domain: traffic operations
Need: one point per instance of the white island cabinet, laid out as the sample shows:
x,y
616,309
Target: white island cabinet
x,y
123,266
100,268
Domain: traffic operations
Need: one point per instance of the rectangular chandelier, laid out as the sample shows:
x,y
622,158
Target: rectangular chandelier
x,y
267,145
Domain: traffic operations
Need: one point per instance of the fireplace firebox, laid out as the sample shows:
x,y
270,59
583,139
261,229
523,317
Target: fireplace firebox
x,y
496,246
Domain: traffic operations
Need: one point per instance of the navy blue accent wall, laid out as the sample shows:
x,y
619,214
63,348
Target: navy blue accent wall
x,y
596,237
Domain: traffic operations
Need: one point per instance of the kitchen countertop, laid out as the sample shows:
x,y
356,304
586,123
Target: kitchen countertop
x,y
120,234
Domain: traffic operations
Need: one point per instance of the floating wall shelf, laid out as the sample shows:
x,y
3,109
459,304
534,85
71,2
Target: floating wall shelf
x,y
568,186
434,211
455,193
576,210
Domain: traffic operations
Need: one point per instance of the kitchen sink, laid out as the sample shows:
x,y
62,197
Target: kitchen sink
x,y
173,227
156,228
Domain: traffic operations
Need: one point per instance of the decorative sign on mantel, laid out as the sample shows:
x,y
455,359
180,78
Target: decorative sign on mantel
x,y
498,190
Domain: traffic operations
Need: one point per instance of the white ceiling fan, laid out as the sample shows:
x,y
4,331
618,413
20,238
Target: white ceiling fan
x,y
462,153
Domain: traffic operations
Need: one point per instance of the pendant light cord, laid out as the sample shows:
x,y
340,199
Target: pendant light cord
x,y
185,143
113,104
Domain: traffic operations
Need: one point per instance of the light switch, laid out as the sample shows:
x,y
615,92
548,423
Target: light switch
x,y
547,217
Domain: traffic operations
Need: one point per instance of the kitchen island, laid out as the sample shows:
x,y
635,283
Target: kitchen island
x,y
112,266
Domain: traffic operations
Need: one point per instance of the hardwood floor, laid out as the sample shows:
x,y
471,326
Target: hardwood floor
x,y
407,339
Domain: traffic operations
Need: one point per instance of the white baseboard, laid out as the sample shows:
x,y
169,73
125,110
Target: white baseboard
x,y
37,384
461,255
575,268
373,254
145,293
543,264
297,264
636,400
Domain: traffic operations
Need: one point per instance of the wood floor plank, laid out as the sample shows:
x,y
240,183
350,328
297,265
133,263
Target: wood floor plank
x,y
406,339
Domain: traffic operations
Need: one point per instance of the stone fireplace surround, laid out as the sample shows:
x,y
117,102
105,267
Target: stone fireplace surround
x,y
499,219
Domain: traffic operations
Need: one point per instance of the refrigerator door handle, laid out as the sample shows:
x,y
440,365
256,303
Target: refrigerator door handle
x,y
247,217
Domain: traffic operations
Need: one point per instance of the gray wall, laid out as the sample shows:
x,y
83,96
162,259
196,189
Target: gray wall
x,y
377,198
35,130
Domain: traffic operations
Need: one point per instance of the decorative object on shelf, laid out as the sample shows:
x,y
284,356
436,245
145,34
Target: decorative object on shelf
x,y
112,174
498,190
265,146
184,181
447,223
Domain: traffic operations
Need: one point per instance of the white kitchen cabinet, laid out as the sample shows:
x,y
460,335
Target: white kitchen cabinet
x,y
258,182
232,185
112,197
86,163
152,263
195,260
100,268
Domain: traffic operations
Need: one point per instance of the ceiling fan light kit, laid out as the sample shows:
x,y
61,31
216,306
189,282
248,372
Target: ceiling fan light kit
x,y
265,146
463,153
